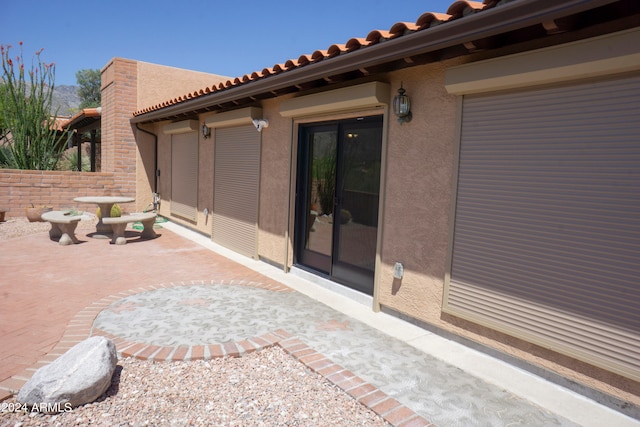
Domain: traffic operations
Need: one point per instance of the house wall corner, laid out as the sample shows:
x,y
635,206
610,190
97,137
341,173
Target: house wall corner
x,y
119,152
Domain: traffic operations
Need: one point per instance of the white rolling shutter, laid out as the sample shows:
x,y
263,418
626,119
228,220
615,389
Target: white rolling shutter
x,y
184,175
236,187
546,243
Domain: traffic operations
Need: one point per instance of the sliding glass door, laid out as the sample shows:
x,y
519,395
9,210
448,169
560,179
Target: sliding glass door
x,y
337,199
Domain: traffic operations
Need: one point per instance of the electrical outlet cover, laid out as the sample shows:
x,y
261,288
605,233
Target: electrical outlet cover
x,y
398,271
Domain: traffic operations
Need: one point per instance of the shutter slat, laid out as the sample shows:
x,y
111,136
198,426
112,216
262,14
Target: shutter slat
x,y
236,186
547,228
184,175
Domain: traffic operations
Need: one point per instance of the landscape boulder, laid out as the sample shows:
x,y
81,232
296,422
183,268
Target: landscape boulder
x,y
79,376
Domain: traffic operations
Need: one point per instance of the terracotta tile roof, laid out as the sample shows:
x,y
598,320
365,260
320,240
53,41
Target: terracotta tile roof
x,y
80,119
83,118
427,20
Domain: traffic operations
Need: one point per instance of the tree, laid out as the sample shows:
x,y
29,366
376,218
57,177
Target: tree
x,y
89,88
31,138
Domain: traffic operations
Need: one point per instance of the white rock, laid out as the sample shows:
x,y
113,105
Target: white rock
x,y
79,376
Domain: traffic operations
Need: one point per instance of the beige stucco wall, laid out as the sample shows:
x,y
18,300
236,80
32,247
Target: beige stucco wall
x,y
275,177
415,221
205,182
145,169
417,196
205,177
416,226
146,162
153,84
158,83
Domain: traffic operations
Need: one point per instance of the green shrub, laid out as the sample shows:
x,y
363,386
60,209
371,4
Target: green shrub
x,y
69,161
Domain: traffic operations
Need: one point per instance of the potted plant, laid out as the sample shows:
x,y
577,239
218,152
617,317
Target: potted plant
x,y
34,213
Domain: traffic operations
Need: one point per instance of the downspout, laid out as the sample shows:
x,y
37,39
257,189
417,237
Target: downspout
x,y
156,196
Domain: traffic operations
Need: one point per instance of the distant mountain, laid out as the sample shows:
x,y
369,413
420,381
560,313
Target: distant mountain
x,y
66,100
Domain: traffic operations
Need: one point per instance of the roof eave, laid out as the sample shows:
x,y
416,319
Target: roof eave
x,y
83,118
508,17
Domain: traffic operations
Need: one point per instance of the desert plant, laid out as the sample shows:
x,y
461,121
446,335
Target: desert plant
x,y
73,212
69,161
5,154
26,116
116,211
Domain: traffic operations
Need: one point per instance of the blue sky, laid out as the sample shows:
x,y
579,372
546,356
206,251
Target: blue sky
x,y
227,38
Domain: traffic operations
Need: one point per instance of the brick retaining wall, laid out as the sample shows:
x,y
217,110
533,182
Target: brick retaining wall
x,y
20,188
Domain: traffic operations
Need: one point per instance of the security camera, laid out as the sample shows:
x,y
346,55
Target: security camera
x,y
260,124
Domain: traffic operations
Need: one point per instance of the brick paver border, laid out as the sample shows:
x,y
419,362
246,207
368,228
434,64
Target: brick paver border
x,y
81,327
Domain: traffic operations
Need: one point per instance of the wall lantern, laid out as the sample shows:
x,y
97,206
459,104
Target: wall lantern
x,y
402,106
206,131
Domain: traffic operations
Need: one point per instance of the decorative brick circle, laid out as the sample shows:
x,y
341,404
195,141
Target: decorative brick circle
x,y
81,327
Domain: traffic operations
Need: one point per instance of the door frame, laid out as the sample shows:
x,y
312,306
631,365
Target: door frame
x,y
299,191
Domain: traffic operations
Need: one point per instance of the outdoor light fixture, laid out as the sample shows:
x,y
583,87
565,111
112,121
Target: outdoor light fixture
x,y
402,106
260,124
206,132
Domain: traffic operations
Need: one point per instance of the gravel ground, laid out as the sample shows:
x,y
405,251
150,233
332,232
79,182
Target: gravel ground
x,y
20,226
14,227
264,388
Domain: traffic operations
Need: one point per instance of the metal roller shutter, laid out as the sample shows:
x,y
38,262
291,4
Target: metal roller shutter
x,y
236,186
184,175
546,244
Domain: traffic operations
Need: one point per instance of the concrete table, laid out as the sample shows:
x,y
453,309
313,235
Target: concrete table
x,y
105,203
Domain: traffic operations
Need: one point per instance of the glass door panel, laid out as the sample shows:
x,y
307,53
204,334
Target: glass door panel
x,y
357,195
316,197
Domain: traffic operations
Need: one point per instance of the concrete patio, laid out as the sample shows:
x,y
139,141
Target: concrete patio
x,y
52,294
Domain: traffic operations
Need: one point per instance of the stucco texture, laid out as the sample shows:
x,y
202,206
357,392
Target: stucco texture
x,y
275,164
157,83
417,196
